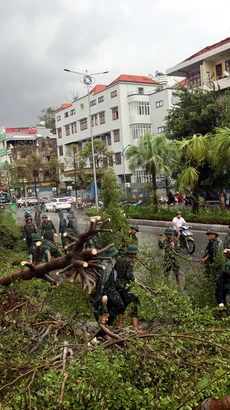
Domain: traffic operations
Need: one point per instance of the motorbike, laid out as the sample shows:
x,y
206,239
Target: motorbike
x,y
186,239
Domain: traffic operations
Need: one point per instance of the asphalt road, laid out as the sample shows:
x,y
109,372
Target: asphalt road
x,y
147,236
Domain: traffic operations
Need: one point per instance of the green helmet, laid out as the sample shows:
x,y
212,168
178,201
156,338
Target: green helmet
x,y
44,216
135,227
111,252
226,268
169,231
212,230
132,249
36,237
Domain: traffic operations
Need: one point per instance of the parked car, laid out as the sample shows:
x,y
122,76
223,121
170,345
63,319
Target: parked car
x,y
58,204
32,201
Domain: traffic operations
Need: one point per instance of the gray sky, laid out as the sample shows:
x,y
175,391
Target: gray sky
x,y
39,38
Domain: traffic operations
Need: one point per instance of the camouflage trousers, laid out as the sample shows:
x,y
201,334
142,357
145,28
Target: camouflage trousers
x,y
127,298
115,304
171,266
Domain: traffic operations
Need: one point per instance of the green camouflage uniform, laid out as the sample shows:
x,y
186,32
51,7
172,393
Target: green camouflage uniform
x,y
222,287
48,230
125,276
28,231
54,251
43,255
72,224
106,286
170,262
226,242
213,248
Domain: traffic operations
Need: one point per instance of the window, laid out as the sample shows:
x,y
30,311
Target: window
x,y
72,112
139,108
115,114
103,139
60,149
138,130
59,131
101,99
109,140
74,127
118,158
194,80
140,90
66,114
160,130
159,104
83,124
102,117
227,66
116,135
93,102
218,71
67,130
113,94
58,118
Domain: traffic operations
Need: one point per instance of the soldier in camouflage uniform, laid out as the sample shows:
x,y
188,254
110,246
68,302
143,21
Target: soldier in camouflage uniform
x,y
132,233
72,223
45,255
125,276
62,226
213,249
28,230
170,261
106,292
48,229
66,240
37,216
54,251
223,285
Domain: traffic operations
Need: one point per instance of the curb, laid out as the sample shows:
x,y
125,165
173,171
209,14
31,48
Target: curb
x,y
166,224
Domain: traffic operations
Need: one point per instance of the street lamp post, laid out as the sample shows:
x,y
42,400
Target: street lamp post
x,y
123,154
88,80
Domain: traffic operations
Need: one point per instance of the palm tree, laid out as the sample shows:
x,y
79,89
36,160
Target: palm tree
x,y
155,154
221,149
196,151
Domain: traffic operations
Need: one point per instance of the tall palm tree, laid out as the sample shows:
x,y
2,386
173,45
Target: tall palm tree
x,y
154,154
196,151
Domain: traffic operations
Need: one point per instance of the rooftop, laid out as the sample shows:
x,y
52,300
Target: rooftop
x,y
209,48
134,79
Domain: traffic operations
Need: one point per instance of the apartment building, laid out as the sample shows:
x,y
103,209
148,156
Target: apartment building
x,y
120,113
211,64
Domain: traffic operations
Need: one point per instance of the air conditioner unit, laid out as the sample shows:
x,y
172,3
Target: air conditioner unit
x,y
226,74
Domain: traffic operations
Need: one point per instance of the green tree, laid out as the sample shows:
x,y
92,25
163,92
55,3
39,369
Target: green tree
x,y
154,154
100,153
54,168
197,111
48,115
196,154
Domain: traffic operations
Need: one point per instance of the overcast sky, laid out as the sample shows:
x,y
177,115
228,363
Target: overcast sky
x,y
39,38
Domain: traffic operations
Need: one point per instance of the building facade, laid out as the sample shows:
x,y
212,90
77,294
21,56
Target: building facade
x,y
211,64
119,114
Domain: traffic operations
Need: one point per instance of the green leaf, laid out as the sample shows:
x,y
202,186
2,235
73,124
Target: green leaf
x,y
202,384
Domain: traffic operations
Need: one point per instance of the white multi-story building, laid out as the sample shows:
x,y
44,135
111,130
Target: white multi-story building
x,y
120,113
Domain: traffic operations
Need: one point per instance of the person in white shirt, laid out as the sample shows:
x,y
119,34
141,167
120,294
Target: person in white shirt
x,y
178,222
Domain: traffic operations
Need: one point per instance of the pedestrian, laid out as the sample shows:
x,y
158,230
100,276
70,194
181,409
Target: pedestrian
x,y
132,233
125,276
37,216
79,203
72,223
44,256
223,285
27,211
213,249
106,293
28,230
62,226
48,230
170,262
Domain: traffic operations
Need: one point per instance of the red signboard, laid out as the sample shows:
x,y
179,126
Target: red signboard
x,y
22,130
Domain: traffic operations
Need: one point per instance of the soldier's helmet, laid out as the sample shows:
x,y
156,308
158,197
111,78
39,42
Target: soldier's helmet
x,y
135,227
168,231
111,252
226,268
212,230
44,216
69,216
132,249
36,237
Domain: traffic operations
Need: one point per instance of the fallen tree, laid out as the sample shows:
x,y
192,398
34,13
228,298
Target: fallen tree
x,y
76,261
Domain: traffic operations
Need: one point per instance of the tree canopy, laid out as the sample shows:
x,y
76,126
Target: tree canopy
x,y
197,111
48,115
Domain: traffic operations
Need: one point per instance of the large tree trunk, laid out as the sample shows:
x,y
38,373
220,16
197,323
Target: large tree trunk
x,y
214,404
